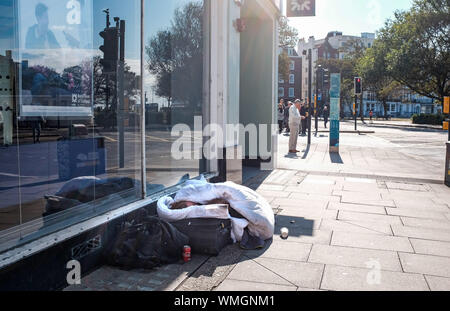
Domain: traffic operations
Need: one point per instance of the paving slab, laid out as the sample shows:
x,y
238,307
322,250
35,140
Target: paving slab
x,y
412,202
370,209
309,213
273,194
245,286
425,264
282,250
443,225
251,271
366,199
407,186
354,257
420,233
312,197
307,275
427,247
357,279
355,227
414,213
300,235
438,284
380,219
285,203
371,241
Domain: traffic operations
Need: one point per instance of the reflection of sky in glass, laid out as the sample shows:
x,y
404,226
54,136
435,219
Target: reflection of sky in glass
x,y
158,16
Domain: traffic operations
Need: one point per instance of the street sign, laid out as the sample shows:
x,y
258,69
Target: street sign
x,y
447,104
335,103
298,8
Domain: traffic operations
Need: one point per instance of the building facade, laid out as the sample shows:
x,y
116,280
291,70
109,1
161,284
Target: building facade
x,y
83,154
291,89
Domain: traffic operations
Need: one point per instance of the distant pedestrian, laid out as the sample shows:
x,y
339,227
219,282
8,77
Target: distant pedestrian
x,y
371,115
286,116
326,115
294,124
280,116
304,121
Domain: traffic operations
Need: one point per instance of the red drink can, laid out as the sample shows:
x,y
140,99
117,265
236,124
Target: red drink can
x,y
187,253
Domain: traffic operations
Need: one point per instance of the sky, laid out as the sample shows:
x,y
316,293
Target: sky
x,y
352,17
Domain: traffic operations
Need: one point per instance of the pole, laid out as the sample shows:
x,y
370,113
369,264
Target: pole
x,y
121,95
354,112
315,102
316,114
309,94
141,86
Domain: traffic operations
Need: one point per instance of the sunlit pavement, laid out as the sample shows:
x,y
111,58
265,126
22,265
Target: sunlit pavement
x,y
375,224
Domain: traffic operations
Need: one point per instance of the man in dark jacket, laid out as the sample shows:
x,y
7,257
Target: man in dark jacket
x,y
326,115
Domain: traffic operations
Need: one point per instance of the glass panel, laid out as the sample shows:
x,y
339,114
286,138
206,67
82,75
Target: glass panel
x,y
69,123
173,78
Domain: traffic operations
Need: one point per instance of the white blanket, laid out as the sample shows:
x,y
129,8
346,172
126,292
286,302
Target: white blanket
x,y
259,215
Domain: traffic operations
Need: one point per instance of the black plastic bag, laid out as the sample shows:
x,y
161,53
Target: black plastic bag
x,y
145,245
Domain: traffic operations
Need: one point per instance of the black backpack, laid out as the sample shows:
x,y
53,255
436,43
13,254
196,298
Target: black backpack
x,y
145,245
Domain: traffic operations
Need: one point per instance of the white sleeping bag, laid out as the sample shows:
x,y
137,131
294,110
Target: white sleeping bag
x,y
251,205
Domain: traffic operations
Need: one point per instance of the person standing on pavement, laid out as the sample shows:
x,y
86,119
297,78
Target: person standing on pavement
x,y
304,121
371,115
294,124
286,116
326,115
280,116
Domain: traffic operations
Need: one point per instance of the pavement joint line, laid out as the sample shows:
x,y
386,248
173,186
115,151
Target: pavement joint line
x,y
191,274
370,176
370,229
271,270
265,283
224,277
426,281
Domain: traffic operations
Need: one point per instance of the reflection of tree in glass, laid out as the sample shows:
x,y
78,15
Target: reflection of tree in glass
x,y
175,57
105,114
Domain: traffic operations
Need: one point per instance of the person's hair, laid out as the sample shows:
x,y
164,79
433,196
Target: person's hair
x,y
40,9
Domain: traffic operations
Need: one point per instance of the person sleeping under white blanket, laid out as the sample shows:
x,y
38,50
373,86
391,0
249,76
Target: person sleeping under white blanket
x,y
200,199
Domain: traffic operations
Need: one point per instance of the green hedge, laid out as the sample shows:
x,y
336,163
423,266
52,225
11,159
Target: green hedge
x,y
431,119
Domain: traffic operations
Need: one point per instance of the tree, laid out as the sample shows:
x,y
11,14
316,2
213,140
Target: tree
x,y
372,69
284,65
347,68
417,48
175,57
288,37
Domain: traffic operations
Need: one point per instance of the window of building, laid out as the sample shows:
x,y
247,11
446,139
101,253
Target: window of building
x,y
281,81
281,92
292,65
291,92
291,79
78,154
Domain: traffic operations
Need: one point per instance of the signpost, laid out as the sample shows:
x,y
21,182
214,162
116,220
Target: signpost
x,y
335,94
298,8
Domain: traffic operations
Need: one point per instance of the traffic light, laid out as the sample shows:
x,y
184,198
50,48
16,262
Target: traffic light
x,y
110,49
358,86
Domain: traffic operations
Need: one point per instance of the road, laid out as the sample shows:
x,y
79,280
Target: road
x,y
391,151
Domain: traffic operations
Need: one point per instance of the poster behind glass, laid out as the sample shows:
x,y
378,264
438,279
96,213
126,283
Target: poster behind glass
x,y
56,53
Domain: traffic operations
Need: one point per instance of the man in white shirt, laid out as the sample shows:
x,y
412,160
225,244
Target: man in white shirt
x,y
294,124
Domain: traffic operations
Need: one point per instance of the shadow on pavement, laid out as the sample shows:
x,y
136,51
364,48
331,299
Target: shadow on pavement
x,y
336,158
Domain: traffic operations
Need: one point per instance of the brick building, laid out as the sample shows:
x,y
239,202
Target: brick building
x,y
292,88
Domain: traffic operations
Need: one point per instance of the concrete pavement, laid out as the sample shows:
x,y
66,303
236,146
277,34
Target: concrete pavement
x,y
377,217
345,234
